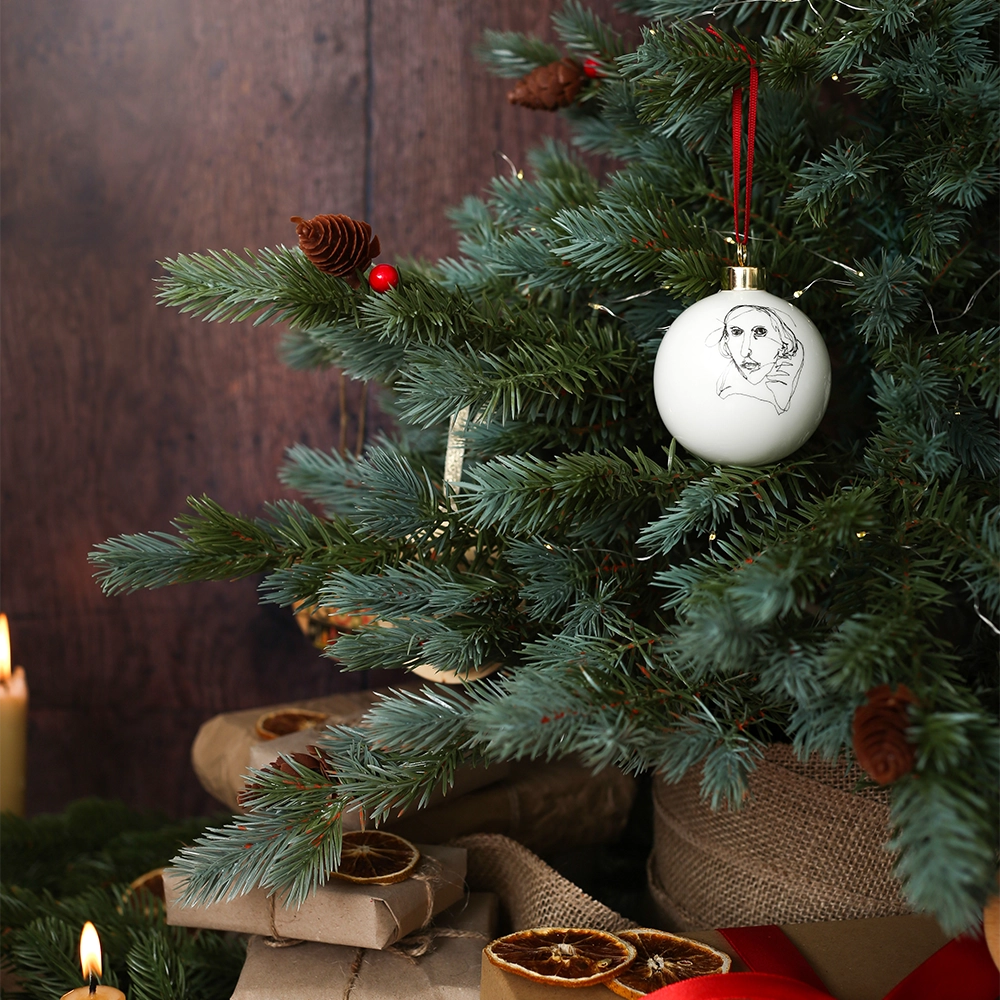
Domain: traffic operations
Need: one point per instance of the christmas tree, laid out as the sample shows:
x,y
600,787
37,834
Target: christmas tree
x,y
651,609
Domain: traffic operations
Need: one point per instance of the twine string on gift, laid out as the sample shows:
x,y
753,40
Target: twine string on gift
x,y
352,977
420,942
277,940
429,872
412,947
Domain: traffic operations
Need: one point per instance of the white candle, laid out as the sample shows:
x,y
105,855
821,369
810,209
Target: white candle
x,y
13,727
90,962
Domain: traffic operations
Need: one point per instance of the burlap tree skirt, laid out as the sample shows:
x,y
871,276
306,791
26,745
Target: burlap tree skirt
x,y
806,847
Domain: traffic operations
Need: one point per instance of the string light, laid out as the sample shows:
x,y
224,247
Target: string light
x,y
975,605
515,173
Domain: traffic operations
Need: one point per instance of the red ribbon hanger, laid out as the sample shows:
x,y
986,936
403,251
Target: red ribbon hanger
x,y
737,108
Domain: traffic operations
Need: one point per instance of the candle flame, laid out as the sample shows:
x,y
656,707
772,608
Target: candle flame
x,y
90,951
4,649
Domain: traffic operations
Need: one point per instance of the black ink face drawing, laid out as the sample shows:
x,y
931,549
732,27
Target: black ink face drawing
x,y
765,356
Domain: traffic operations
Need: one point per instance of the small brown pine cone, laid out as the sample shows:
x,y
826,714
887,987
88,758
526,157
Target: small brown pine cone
x,y
879,733
337,245
245,794
302,759
549,88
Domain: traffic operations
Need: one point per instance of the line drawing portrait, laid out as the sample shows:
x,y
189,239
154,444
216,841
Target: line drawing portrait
x,y
765,356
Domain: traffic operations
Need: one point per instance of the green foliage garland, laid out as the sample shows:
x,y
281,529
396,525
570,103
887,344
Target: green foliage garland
x,y
62,870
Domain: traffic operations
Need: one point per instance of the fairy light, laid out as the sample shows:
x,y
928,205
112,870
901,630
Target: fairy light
x,y
516,173
861,534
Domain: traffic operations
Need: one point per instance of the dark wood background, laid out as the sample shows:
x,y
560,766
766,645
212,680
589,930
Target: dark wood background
x,y
133,131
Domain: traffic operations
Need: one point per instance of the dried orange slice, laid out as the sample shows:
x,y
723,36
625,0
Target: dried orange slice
x,y
562,956
151,882
376,857
662,959
287,720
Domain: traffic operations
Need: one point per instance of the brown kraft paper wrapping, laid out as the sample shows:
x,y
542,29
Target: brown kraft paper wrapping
x,y
340,912
227,745
449,971
220,753
542,804
856,959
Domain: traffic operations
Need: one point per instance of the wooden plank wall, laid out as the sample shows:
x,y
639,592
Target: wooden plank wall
x,y
132,131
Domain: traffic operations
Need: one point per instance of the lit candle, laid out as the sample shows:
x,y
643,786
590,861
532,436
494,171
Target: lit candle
x,y
90,962
13,727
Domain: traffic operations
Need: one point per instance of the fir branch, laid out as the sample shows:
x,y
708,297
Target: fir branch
x,y
885,292
279,285
387,780
288,841
529,380
513,54
152,964
842,173
945,833
461,644
585,496
327,477
217,545
709,504
399,498
418,590
558,580
581,31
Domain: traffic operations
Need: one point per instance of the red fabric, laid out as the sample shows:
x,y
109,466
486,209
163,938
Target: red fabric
x,y
770,949
739,986
962,970
737,144
741,238
751,135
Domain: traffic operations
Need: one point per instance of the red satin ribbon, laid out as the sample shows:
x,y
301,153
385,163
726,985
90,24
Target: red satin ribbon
x,y
739,986
961,970
741,238
737,108
770,949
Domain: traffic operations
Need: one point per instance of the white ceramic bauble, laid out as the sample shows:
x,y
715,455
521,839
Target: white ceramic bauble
x,y
742,378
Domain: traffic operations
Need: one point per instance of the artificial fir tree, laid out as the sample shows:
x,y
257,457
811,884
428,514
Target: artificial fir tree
x,y
652,610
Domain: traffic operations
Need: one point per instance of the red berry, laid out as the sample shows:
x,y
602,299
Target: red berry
x,y
383,277
592,67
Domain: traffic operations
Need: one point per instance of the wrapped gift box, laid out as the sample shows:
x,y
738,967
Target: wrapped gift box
x,y
854,960
227,745
220,753
340,912
542,804
448,971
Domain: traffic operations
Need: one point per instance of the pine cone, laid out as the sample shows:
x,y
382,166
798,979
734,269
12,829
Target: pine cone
x,y
879,733
549,88
313,761
302,759
337,245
